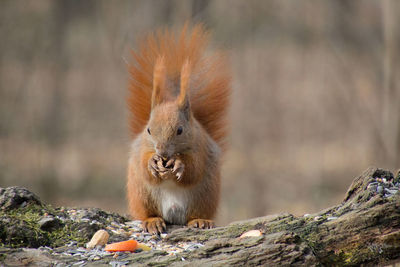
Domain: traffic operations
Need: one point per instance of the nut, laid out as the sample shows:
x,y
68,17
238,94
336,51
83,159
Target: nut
x,y
251,233
100,238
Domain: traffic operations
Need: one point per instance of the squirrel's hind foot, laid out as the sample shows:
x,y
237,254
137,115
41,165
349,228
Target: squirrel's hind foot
x,y
154,225
201,223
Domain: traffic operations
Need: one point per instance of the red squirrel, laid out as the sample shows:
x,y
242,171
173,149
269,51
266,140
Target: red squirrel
x,y
178,99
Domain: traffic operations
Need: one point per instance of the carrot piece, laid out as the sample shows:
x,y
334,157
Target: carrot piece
x,y
129,245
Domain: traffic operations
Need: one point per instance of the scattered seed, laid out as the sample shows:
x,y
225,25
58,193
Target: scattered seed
x,y
317,218
379,189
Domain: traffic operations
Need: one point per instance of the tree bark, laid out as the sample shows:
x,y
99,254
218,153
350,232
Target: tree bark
x,y
363,229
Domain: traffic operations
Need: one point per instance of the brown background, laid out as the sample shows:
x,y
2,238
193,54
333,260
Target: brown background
x,y
316,97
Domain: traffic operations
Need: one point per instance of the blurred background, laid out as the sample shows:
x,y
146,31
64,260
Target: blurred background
x,y
316,97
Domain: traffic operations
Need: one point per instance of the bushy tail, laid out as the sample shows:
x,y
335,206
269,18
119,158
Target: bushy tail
x,y
209,80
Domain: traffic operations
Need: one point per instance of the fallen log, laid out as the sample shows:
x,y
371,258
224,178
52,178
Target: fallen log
x,y
363,229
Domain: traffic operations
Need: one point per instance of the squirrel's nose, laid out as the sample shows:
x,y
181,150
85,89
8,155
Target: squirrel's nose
x,y
162,152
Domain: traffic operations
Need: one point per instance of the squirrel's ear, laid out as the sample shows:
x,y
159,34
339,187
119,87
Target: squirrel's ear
x,y
159,76
183,98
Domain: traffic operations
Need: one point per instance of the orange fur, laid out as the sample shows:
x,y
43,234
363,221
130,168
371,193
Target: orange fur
x,y
185,76
187,95
208,79
159,77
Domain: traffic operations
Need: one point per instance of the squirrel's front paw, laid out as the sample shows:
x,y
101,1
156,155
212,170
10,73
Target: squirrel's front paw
x,y
178,169
176,166
156,167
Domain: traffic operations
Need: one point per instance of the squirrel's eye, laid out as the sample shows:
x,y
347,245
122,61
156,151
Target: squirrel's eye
x,y
148,130
179,131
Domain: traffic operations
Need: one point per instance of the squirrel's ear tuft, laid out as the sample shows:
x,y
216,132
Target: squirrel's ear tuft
x,y
183,98
159,77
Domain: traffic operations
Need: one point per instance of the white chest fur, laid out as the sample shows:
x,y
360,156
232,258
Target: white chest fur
x,y
174,202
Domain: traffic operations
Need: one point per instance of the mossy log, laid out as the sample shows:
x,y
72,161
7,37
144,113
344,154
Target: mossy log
x,y
363,229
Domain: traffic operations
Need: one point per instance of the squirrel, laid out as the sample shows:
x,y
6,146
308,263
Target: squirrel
x,y
178,100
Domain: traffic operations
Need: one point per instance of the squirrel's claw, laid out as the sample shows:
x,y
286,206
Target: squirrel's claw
x,y
169,163
153,167
201,223
178,169
179,176
155,225
162,171
156,167
154,173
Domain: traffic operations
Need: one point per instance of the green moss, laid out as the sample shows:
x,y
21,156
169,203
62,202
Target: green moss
x,y
2,257
30,214
289,223
65,234
354,256
21,228
237,230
